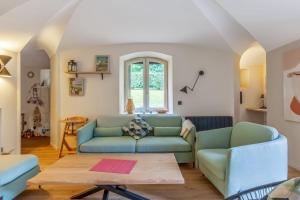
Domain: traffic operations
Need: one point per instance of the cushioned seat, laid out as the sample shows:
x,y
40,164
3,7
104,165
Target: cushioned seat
x,y
242,157
215,160
124,144
106,135
13,166
162,144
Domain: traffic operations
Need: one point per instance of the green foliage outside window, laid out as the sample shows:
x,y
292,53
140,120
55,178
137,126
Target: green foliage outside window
x,y
156,76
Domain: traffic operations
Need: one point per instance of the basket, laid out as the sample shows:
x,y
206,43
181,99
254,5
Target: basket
x,y
257,193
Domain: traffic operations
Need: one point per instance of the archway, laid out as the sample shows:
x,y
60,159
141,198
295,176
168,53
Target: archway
x,y
253,84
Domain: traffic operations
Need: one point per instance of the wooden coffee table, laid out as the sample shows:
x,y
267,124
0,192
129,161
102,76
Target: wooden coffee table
x,y
74,169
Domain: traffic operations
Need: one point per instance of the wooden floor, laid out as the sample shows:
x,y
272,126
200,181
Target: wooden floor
x,y
196,187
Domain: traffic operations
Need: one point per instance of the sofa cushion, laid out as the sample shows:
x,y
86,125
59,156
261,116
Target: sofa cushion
x,y
114,121
245,133
214,160
163,120
167,131
162,144
13,166
123,144
108,132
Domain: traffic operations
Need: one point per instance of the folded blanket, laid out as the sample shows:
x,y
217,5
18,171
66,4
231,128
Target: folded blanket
x,y
187,126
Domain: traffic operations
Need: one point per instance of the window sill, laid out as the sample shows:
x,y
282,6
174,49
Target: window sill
x,y
147,113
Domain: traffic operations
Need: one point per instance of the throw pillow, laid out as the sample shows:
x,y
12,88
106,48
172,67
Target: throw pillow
x,y
138,128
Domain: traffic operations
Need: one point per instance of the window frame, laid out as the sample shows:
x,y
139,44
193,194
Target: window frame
x,y
146,61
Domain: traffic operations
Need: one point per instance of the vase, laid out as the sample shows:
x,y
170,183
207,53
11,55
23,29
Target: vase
x,y
130,106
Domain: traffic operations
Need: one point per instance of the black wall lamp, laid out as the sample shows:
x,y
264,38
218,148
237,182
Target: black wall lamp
x,y
185,88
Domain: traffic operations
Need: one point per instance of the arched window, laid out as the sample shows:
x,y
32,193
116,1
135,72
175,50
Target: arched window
x,y
146,82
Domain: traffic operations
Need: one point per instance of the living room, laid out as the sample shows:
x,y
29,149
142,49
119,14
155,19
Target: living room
x,y
206,90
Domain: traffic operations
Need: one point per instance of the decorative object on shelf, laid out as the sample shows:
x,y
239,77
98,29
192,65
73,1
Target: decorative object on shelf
x,y
76,87
185,88
162,111
102,63
130,106
3,61
291,85
30,74
262,101
72,66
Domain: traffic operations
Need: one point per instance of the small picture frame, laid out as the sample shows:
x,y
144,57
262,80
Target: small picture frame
x,y
76,87
102,63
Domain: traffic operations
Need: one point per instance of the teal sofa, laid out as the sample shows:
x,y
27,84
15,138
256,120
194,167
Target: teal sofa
x,y
241,157
15,170
105,135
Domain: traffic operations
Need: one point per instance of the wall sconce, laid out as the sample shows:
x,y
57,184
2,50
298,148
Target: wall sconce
x,y
185,88
3,61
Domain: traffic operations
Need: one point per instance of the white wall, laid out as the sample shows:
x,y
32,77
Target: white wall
x,y
213,95
9,104
55,121
275,67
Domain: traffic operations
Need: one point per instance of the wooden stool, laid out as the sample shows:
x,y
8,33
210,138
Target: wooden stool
x,y
71,126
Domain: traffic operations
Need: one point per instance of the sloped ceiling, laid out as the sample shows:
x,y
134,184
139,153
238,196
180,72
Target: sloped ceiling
x,y
221,24
6,6
273,23
140,21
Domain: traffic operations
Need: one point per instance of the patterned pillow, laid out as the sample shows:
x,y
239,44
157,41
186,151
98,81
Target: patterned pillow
x,y
138,128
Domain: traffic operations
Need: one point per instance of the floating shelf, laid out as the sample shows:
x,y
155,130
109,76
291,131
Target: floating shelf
x,y
98,73
262,110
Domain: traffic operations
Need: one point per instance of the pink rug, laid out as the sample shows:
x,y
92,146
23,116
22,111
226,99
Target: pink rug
x,y
114,166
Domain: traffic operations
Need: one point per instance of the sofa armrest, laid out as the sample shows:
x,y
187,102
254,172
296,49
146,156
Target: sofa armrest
x,y
213,139
256,164
86,133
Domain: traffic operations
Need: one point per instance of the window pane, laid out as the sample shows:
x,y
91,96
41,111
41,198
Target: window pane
x,y
136,84
156,85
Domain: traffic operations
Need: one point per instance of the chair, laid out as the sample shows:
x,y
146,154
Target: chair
x,y
15,170
245,156
72,124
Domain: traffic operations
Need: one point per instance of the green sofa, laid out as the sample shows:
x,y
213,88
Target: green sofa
x,y
15,170
105,135
241,157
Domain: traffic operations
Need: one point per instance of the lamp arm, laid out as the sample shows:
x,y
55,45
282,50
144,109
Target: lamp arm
x,y
195,83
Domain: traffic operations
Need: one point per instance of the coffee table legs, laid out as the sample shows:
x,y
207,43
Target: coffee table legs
x,y
120,190
87,193
105,195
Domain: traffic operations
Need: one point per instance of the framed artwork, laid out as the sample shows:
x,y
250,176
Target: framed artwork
x,y
102,63
291,87
76,87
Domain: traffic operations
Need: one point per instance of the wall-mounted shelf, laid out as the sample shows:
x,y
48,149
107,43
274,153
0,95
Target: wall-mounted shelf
x,y
262,110
98,73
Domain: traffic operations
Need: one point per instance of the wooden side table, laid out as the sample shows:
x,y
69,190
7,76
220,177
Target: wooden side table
x,y
71,126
